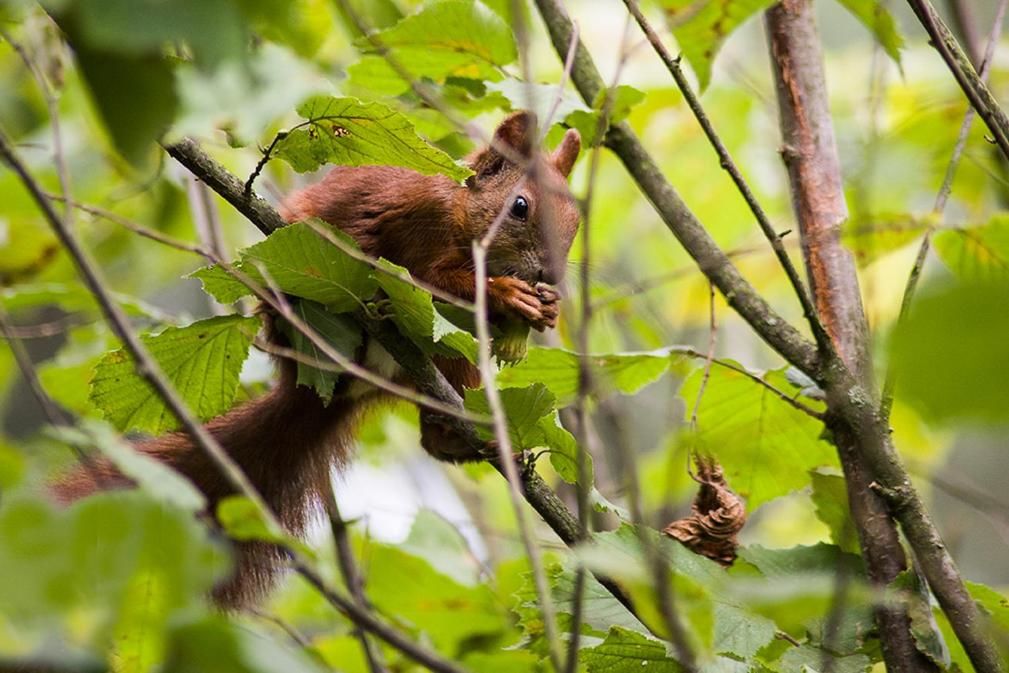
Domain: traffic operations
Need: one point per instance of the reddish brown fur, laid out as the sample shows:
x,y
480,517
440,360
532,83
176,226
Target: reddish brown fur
x,y
287,441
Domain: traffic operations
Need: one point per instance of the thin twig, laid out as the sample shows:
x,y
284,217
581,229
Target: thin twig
x,y
53,106
291,632
585,382
709,358
351,576
890,380
53,413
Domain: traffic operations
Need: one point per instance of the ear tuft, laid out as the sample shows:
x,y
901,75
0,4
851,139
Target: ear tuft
x,y
567,152
516,132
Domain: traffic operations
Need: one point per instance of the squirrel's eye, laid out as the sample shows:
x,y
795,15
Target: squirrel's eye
x,y
520,208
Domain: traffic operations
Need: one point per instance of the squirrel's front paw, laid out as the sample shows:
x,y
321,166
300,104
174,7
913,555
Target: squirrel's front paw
x,y
513,296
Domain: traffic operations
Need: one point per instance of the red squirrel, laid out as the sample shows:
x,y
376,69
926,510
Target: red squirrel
x,y
287,441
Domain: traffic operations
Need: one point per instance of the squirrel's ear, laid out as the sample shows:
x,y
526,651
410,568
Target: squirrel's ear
x,y
513,139
566,153
516,132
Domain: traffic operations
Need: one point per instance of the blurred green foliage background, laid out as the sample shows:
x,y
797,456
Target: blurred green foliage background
x,y
118,581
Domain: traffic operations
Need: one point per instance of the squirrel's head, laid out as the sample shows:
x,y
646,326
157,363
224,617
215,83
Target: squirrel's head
x,y
540,217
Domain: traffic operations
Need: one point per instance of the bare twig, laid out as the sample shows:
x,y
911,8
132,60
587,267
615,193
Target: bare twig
x,y
585,383
291,632
351,576
53,106
709,357
24,362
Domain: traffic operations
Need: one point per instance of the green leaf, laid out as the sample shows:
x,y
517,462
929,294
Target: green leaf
x,y
539,98
220,284
202,361
766,447
341,332
459,38
439,542
347,132
626,651
301,25
877,18
701,26
600,609
797,588
557,369
830,497
533,423
241,519
523,408
927,637
410,590
883,234
416,315
89,557
563,450
213,644
950,355
807,658
716,617
298,261
620,100
213,28
154,477
134,95
976,253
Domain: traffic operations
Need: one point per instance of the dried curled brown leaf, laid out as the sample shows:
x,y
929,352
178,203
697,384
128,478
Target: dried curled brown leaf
x,y
716,516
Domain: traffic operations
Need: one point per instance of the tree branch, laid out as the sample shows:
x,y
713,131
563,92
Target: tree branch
x,y
810,155
215,176
970,82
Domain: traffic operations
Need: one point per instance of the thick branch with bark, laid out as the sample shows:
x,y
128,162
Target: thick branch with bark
x,y
810,155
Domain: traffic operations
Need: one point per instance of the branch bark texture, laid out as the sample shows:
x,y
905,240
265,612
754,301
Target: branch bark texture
x,y
810,155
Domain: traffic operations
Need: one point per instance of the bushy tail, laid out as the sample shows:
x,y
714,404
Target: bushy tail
x,y
286,441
